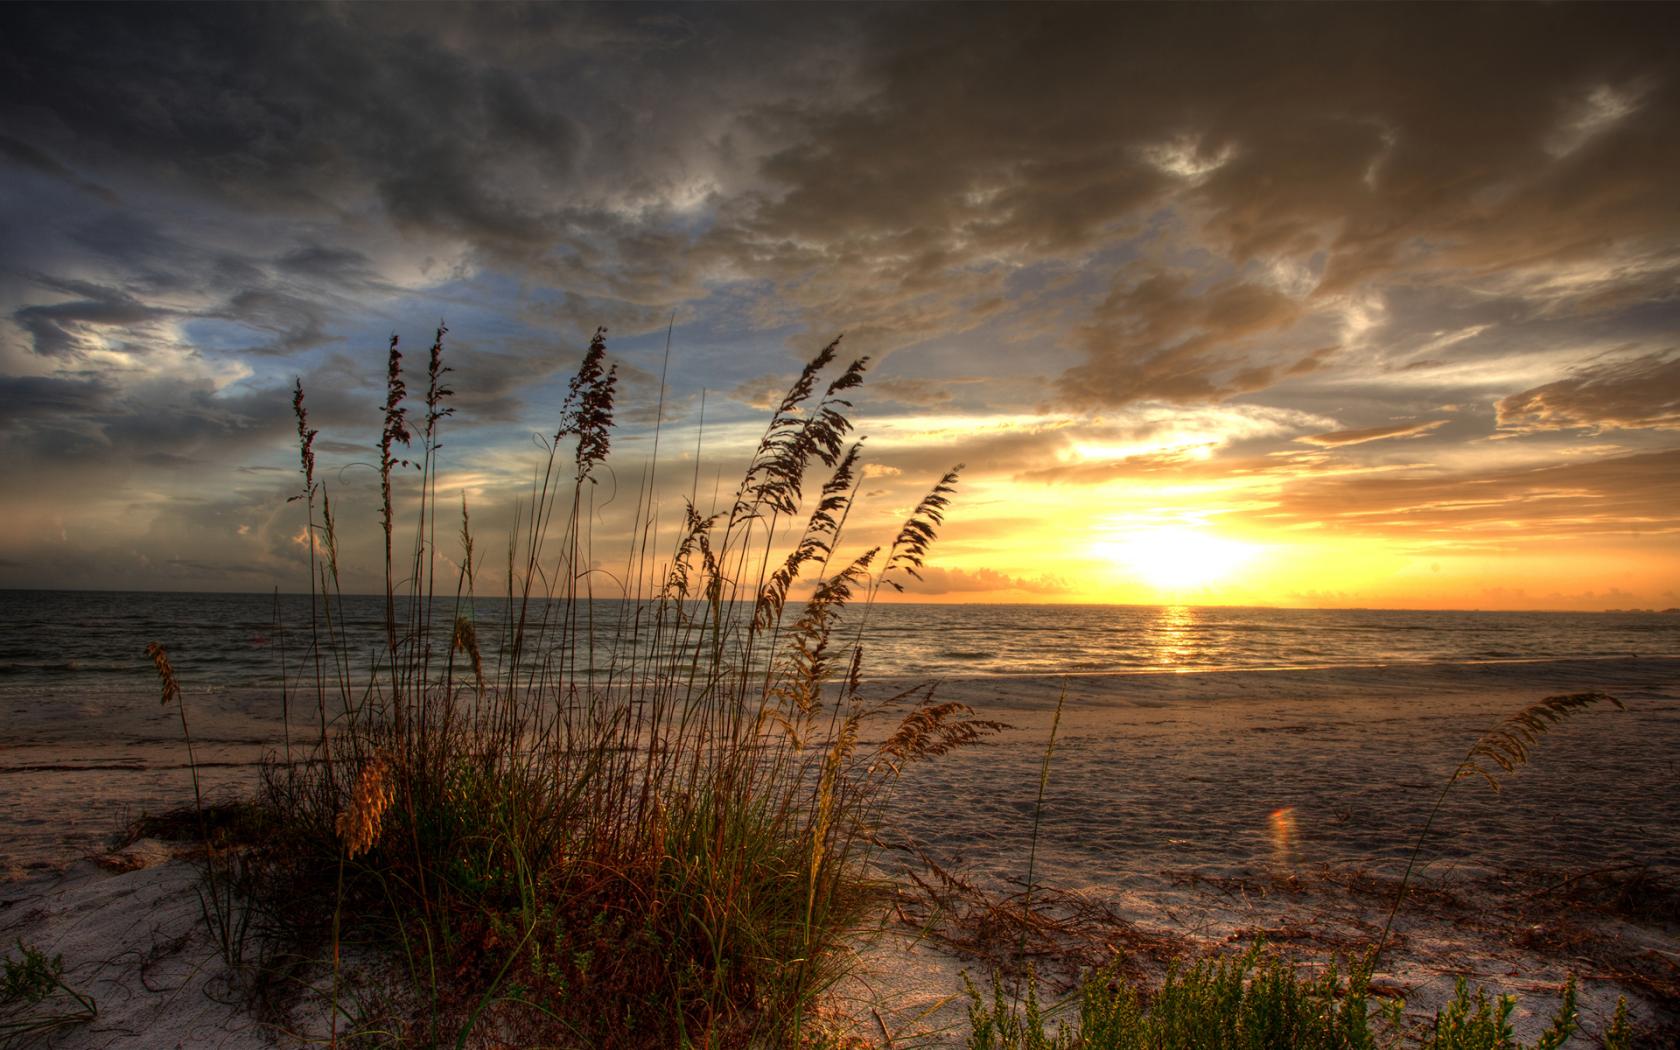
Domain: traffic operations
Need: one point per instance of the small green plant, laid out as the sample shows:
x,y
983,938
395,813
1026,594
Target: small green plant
x,y
1477,1022
1253,1002
1619,1036
35,1001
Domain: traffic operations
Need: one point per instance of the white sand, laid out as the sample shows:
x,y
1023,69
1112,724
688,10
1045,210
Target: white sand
x,y
136,943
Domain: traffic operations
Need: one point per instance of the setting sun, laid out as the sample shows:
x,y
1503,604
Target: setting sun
x,y
1176,558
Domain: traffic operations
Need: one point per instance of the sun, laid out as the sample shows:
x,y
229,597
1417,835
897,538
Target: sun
x,y
1176,558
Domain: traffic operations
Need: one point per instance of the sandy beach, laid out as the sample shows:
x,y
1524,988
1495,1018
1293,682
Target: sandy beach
x,y
1183,814
1186,813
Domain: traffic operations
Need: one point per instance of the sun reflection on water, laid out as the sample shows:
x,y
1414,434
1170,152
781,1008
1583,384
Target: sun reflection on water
x,y
1172,638
1283,834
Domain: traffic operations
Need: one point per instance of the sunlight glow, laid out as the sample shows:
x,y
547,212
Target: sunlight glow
x,y
1176,558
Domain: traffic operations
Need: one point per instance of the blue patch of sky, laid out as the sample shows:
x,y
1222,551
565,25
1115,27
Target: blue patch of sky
x,y
218,336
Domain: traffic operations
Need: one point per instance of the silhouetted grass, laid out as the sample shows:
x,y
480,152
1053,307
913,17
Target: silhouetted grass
x,y
552,831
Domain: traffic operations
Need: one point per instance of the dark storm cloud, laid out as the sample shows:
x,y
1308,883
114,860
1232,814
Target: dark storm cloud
x,y
24,397
947,152
1310,133
59,329
458,124
1642,393
66,432
28,156
1364,213
271,103
329,263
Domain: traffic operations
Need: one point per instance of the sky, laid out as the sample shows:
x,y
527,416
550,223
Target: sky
x,y
1306,305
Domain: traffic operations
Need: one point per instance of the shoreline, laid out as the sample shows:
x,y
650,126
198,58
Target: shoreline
x,y
1184,815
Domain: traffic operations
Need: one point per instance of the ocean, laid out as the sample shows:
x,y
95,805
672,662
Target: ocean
x,y
85,744
56,641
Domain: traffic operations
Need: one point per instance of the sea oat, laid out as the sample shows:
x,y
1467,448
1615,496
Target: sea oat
x,y
306,442
465,641
166,673
913,540
933,729
587,412
358,825
1507,744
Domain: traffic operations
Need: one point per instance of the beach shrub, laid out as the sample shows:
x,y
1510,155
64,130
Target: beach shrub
x,y
583,824
1252,1002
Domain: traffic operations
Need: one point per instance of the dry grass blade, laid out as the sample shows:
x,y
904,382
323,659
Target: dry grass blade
x,y
306,441
435,390
933,729
1007,932
587,413
1507,744
166,672
465,640
776,474
817,542
679,581
911,545
809,659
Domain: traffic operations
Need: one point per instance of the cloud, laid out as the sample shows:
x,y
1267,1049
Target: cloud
x,y
1077,213
1338,438
1164,339
916,393
22,153
940,581
761,392
670,170
62,328
1606,495
1639,393
51,397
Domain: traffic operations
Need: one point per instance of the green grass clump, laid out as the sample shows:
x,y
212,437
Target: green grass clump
x,y
35,999
1253,1002
1245,1003
646,832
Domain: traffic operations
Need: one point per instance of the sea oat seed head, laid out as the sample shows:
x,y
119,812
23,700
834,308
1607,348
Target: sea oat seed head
x,y
166,673
358,825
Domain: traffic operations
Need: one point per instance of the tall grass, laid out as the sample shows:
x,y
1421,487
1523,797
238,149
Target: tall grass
x,y
554,830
